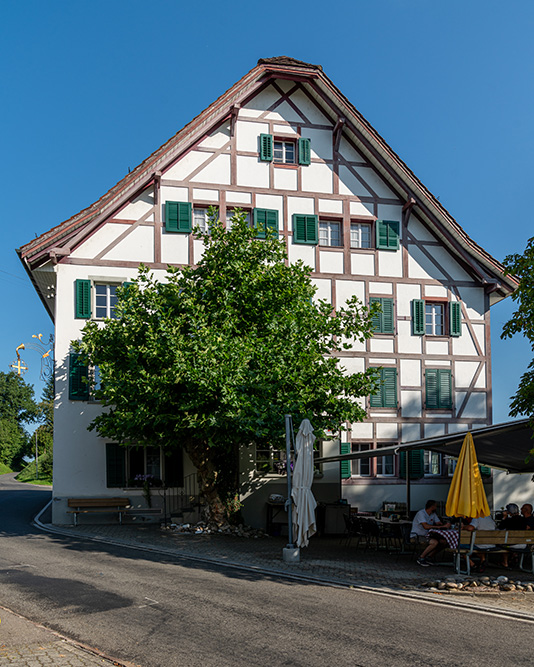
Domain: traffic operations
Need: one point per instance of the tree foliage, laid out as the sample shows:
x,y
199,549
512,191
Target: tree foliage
x,y
213,357
522,321
17,408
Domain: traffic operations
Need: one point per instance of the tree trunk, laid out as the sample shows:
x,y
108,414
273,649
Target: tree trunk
x,y
201,456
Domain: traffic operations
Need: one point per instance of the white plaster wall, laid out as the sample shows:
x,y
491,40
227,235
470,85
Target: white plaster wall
x,y
274,202
317,177
285,128
390,263
331,206
174,248
375,183
406,343
238,197
434,291
381,288
410,432
479,330
410,372
450,265
284,112
349,153
352,365
138,246
186,165
433,430
411,404
390,212
370,498
99,240
381,345
464,372
419,231
406,293
248,135
463,345
320,142
309,109
434,347
198,250
515,488
172,193
387,431
138,207
218,138
263,100
362,431
350,185
217,171
331,262
362,210
473,298
306,253
299,205
252,172
324,289
421,266
362,264
476,405
203,195
285,179
348,288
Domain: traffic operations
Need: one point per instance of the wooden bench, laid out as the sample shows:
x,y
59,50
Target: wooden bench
x,y
500,541
97,506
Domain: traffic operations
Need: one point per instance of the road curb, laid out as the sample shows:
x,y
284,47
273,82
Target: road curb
x,y
423,596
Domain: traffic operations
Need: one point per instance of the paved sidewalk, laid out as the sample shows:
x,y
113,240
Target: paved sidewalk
x,y
326,560
25,644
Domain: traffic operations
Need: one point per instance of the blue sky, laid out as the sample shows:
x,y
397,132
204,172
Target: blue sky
x,y
89,89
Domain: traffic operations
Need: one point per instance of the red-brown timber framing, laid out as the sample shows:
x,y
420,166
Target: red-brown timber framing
x,y
60,241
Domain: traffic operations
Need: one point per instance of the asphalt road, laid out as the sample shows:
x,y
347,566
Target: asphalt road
x,y
157,611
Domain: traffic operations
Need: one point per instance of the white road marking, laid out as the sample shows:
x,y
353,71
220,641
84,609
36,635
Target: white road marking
x,y
152,603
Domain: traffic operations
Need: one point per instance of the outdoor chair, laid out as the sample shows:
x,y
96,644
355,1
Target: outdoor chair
x,y
352,529
391,536
371,533
408,547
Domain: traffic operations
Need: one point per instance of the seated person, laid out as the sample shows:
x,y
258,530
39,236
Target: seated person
x,y
480,523
423,522
512,520
526,512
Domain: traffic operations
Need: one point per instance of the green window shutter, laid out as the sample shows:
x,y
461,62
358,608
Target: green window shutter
x,y
438,385
304,149
455,318
432,388
78,379
178,216
445,388
485,471
265,219
418,317
345,465
386,397
387,235
417,464
83,299
305,229
115,465
378,318
266,147
389,376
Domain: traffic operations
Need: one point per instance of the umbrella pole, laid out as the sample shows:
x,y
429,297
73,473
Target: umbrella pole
x,y
408,489
291,554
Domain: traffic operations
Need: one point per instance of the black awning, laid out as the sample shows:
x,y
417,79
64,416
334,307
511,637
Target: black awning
x,y
505,446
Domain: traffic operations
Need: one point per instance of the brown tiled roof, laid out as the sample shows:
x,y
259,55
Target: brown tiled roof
x,y
286,61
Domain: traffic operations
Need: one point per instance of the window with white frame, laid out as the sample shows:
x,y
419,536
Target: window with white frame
x,y
361,467
284,152
432,463
230,215
105,300
329,233
360,235
434,319
200,219
385,465
451,465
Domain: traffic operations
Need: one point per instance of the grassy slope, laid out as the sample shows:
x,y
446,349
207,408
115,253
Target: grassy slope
x,y
4,469
28,475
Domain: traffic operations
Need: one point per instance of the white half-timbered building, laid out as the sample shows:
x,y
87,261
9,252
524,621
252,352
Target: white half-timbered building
x,y
285,145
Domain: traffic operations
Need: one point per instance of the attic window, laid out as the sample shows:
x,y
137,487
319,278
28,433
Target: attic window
x,y
284,152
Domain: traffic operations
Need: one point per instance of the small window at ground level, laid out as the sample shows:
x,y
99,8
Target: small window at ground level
x,y
284,152
432,463
360,235
200,219
329,233
270,459
385,465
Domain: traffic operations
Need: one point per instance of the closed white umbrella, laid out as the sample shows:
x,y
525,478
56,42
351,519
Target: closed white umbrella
x,y
304,515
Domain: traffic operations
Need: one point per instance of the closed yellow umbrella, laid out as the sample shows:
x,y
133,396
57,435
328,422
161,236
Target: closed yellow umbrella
x,y
466,495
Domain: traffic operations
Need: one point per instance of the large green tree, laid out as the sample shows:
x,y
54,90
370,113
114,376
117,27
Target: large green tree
x,y
17,408
213,357
522,321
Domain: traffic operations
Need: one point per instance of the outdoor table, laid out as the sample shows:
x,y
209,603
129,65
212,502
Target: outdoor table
x,y
387,519
450,534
